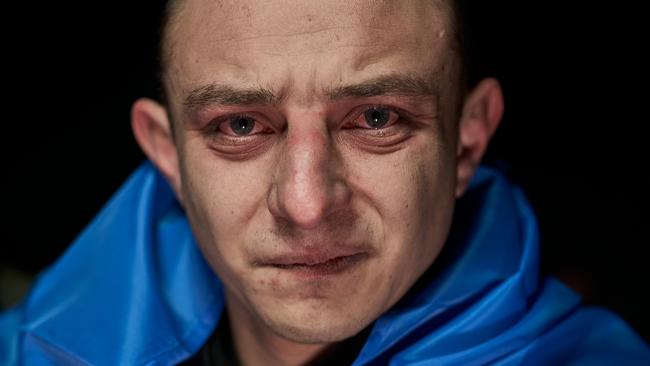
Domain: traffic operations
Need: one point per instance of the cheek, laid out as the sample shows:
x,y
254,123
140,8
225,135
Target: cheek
x,y
222,199
406,186
228,192
409,196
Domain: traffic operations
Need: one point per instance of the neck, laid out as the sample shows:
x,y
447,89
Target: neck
x,y
256,344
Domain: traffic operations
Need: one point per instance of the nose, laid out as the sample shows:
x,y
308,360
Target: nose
x,y
309,184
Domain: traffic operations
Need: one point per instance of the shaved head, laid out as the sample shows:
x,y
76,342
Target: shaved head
x,y
173,10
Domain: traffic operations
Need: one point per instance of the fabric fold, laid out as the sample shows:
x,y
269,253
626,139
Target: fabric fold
x,y
134,289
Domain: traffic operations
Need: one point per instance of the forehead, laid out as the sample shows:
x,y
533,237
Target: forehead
x,y
301,44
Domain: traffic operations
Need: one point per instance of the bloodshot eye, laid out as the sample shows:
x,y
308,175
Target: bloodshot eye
x,y
242,126
239,126
378,117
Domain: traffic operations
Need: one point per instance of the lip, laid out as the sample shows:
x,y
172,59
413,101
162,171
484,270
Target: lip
x,y
321,267
310,257
317,263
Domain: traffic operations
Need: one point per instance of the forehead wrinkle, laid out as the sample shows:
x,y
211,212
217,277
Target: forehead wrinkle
x,y
374,53
289,34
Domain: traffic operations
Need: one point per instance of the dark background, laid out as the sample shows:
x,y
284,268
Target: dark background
x,y
572,136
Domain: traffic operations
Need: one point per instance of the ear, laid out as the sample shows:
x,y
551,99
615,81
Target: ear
x,y
152,130
481,115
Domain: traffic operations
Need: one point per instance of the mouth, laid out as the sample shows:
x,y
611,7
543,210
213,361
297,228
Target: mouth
x,y
315,265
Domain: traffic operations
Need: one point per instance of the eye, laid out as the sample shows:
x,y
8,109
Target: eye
x,y
238,126
376,118
242,125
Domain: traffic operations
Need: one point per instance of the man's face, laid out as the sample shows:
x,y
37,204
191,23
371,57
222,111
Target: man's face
x,y
317,152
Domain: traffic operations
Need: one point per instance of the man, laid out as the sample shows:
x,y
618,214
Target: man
x,y
299,209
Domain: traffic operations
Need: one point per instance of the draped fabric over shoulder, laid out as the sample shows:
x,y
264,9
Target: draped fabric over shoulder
x,y
133,289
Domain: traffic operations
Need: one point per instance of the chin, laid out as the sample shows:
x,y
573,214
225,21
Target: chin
x,y
317,326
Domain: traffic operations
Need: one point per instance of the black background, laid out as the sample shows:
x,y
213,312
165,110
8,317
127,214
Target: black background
x,y
573,134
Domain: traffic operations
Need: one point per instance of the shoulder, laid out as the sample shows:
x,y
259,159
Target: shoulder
x,y
584,335
603,338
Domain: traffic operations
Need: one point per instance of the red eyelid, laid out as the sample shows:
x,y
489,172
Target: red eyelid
x,y
360,119
223,125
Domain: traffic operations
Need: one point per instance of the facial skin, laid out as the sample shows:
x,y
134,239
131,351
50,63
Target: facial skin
x,y
316,219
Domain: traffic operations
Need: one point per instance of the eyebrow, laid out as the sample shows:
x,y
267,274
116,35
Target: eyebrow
x,y
392,84
219,94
